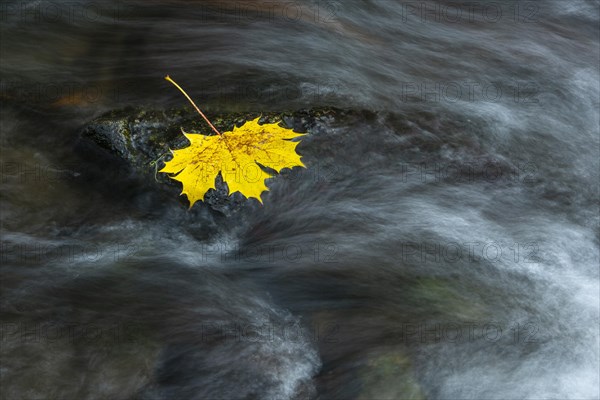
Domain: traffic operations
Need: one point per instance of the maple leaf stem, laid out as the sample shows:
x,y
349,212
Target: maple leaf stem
x,y
194,104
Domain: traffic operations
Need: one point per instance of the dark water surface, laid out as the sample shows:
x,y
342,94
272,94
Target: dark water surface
x,y
444,248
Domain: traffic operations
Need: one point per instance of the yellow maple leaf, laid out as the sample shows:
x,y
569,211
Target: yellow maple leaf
x,y
236,155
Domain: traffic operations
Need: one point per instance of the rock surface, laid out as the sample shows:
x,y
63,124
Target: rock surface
x,y
142,139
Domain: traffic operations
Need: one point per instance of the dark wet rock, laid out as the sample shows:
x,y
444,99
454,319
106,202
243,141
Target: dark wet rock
x,y
142,138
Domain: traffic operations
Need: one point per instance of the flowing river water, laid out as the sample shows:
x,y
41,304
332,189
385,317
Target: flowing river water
x,y
446,247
